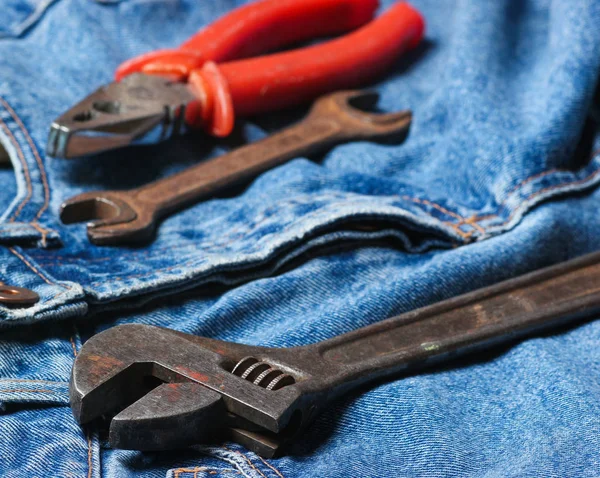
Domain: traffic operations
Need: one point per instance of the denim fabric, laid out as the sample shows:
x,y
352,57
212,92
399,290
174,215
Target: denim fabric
x,y
497,177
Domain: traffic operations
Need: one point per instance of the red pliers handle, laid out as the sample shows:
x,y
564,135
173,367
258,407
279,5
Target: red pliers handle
x,y
226,88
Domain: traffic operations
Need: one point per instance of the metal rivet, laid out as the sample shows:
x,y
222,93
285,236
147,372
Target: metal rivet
x,y
12,296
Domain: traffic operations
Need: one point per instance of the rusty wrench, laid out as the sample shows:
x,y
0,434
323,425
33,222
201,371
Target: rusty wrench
x,y
129,216
263,397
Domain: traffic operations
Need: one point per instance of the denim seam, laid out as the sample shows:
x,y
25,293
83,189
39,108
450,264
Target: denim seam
x,y
479,219
277,472
550,188
454,225
443,210
471,221
21,157
43,232
517,209
252,465
36,156
45,279
257,224
211,471
239,460
256,466
26,171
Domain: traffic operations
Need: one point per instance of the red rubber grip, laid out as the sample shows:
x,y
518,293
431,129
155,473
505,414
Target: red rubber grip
x,y
286,79
253,29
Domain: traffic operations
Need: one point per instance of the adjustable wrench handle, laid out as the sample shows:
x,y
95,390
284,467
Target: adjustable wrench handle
x,y
495,314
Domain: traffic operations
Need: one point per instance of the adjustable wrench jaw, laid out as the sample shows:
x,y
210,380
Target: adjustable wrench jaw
x,y
200,394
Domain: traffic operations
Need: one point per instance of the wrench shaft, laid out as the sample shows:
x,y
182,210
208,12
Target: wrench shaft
x,y
473,321
208,178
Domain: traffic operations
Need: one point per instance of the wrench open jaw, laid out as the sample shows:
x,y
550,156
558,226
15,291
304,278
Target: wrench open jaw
x,y
129,216
207,390
110,214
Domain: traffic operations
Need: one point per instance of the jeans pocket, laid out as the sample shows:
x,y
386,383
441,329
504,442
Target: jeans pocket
x,y
20,15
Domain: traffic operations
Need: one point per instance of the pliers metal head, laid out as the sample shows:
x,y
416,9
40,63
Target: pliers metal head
x,y
139,109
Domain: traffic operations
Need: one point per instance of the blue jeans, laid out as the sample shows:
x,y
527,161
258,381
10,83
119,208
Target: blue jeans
x,y
498,177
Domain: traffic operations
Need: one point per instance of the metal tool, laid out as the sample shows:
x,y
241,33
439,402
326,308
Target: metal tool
x,y
128,216
157,94
261,397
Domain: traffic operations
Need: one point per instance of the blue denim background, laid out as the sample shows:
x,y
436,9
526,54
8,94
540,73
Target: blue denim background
x,y
496,178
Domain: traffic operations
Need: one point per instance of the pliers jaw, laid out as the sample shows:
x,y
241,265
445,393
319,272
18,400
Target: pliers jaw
x,y
140,109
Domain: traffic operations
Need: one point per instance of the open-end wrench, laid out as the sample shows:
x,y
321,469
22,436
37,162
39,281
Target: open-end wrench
x,y
263,397
129,216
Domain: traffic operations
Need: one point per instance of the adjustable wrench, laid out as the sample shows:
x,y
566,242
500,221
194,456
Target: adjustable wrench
x,y
263,397
129,216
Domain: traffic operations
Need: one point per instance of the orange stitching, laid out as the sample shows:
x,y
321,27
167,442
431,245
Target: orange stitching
x,y
23,390
533,178
271,466
36,155
472,222
43,232
593,156
545,173
90,462
542,191
25,170
189,470
58,294
248,460
483,218
463,234
48,281
73,346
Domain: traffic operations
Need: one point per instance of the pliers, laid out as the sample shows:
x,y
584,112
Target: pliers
x,y
159,94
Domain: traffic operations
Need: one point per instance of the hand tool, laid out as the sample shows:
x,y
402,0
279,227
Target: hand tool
x,y
129,216
157,94
262,397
